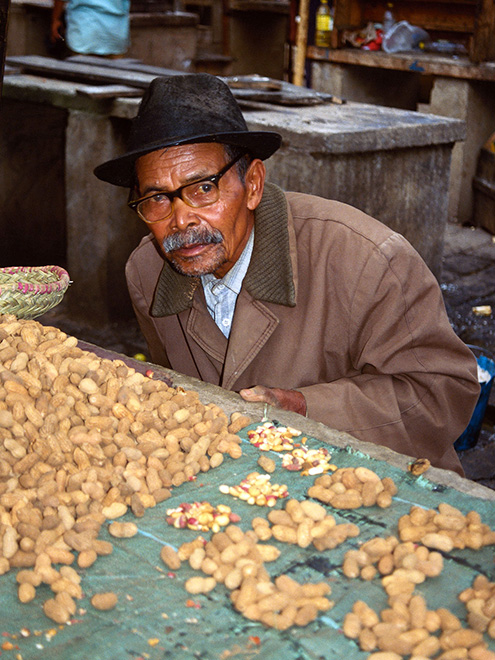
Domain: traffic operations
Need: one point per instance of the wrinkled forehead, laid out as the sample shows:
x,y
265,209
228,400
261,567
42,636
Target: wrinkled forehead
x,y
179,164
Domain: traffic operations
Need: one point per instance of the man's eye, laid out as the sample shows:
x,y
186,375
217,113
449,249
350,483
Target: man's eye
x,y
159,198
204,188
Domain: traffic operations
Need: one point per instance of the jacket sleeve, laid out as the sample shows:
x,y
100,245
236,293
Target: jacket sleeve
x,y
415,384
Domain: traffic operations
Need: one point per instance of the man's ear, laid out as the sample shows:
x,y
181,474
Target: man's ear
x,y
255,181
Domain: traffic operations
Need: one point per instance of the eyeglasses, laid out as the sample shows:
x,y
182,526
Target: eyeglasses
x,y
158,207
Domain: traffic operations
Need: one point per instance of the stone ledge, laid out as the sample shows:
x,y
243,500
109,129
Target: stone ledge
x,y
357,127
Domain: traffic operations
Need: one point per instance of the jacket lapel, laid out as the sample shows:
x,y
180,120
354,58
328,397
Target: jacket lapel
x,y
270,276
200,326
253,325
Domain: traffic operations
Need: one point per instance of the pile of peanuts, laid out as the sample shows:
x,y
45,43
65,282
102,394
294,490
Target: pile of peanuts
x,y
304,523
256,489
269,437
82,441
480,605
236,559
409,628
402,565
351,488
445,529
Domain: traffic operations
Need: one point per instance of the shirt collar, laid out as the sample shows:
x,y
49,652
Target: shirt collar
x,y
233,278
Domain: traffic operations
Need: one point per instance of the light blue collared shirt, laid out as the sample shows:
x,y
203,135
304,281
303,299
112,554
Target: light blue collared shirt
x,y
221,294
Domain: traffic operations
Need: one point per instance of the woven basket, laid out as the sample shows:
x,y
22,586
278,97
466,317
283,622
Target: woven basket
x,y
29,291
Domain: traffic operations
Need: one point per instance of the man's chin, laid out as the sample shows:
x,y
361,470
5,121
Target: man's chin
x,y
193,266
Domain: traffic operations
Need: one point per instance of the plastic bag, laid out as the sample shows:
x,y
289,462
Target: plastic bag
x,y
403,37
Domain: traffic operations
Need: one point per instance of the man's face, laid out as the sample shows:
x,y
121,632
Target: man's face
x,y
203,240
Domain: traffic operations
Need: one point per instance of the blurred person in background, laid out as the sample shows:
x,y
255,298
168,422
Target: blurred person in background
x,y
91,27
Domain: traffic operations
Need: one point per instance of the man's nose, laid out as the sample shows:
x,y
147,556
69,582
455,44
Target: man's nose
x,y
183,215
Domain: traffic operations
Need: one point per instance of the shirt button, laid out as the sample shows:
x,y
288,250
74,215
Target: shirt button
x,y
226,323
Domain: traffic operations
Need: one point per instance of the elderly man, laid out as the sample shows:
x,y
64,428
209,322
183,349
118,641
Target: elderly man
x,y
298,301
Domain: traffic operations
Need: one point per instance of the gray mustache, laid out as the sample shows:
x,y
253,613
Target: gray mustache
x,y
202,235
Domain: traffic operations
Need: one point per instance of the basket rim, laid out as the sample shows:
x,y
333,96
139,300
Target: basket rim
x,y
27,286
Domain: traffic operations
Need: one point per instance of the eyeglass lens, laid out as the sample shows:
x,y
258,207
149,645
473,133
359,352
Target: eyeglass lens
x,y
159,207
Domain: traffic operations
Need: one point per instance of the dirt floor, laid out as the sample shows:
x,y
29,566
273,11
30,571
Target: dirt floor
x,y
468,281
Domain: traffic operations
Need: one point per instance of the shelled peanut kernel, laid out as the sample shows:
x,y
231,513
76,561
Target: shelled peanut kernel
x,y
352,488
269,437
201,516
256,488
87,439
445,529
305,523
480,605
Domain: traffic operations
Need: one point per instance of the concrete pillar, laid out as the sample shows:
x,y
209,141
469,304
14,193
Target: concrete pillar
x,y
101,230
474,102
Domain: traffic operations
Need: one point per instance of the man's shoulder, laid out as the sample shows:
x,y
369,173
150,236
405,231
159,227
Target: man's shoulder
x,y
334,218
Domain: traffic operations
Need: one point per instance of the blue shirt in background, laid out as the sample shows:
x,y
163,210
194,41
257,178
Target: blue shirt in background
x,y
98,27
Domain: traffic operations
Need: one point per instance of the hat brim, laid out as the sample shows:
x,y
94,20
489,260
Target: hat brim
x,y
120,171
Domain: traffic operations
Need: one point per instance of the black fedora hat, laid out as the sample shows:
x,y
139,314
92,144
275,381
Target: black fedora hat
x,y
182,109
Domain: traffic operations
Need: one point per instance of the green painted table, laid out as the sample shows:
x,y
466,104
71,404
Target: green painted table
x,y
154,607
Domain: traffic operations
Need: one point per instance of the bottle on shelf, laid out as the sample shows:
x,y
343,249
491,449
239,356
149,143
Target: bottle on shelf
x,y
324,25
388,18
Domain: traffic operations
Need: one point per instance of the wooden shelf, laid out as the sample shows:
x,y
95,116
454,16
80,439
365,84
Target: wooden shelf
x,y
274,6
468,22
427,64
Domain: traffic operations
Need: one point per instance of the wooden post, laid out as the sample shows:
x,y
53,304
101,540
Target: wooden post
x,y
4,16
483,44
301,42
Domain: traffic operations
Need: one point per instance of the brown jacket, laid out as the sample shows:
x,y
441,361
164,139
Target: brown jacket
x,y
334,304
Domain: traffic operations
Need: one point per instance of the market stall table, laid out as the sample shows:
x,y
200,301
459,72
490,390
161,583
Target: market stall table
x,y
156,618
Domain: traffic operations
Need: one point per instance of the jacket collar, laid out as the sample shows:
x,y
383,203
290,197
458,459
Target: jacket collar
x,y
269,277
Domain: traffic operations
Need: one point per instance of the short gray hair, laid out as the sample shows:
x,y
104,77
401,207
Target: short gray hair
x,y
242,165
